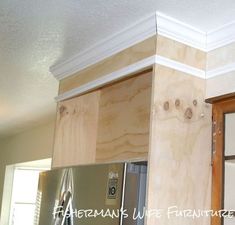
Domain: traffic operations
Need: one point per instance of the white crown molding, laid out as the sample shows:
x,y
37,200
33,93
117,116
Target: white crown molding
x,y
181,32
221,36
180,66
143,64
154,24
139,31
184,33
133,34
220,70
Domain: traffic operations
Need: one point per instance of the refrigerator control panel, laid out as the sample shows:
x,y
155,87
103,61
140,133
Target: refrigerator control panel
x,y
112,188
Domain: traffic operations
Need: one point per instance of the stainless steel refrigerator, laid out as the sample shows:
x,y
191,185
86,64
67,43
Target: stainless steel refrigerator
x,y
107,194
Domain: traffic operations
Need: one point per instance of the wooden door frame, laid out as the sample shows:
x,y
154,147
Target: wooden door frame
x,y
219,109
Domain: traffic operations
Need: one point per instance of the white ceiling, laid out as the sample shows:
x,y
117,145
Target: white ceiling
x,y
36,34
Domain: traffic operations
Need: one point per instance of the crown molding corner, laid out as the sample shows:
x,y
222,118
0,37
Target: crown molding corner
x,y
221,36
181,32
156,23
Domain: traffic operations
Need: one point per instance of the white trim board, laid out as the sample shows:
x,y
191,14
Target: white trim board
x,y
160,60
220,70
127,71
141,65
205,74
156,23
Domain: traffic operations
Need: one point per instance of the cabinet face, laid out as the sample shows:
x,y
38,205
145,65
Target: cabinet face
x,y
124,120
223,161
107,125
76,130
229,166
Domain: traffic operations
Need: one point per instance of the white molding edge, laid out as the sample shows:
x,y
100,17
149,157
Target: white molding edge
x,y
145,63
141,65
180,66
221,36
220,71
181,32
189,35
141,30
133,68
156,23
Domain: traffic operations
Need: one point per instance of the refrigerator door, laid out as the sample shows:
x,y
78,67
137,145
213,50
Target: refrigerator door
x,y
81,195
135,193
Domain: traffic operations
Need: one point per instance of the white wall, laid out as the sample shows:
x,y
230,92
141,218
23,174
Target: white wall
x,y
34,144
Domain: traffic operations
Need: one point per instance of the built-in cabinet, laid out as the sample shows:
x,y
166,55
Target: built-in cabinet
x,y
223,160
157,115
105,125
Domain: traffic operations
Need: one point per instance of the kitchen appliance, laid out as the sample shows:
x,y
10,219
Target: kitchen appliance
x,y
105,194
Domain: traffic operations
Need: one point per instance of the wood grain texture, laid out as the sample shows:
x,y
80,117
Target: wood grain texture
x,y
118,61
219,109
180,52
124,113
76,130
180,147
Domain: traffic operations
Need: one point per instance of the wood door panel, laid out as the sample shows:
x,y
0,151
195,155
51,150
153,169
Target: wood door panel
x,y
76,130
124,118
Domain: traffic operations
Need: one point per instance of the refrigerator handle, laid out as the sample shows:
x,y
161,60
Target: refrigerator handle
x,y
64,202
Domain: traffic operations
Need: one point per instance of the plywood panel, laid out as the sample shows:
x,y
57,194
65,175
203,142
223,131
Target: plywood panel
x,y
180,148
118,61
123,128
180,52
76,130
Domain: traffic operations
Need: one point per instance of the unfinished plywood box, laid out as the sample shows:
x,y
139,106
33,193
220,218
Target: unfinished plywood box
x,y
107,125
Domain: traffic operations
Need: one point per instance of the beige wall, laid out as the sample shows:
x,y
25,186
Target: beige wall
x,y
220,85
30,145
221,60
